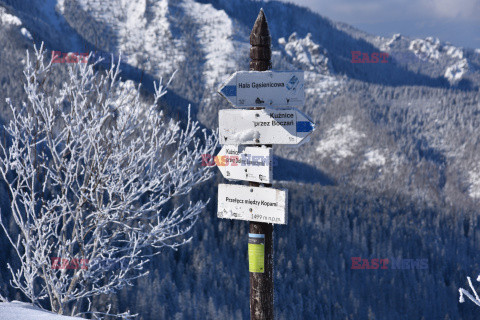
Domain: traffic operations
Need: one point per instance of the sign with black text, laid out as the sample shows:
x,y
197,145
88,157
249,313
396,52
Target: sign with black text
x,y
259,204
246,163
264,89
266,126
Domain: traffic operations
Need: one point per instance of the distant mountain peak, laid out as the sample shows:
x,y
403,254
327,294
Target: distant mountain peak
x,y
432,50
305,54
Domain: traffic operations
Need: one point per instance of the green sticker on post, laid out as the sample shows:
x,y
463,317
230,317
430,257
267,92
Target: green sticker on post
x,y
256,252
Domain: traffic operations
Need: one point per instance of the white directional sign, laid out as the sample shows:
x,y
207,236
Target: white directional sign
x,y
246,163
259,204
266,126
264,89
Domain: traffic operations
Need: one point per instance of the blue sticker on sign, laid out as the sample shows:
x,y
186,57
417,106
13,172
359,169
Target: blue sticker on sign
x,y
304,126
292,83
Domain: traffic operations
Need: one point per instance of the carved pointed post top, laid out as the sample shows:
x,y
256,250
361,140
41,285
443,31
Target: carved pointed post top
x,y
260,52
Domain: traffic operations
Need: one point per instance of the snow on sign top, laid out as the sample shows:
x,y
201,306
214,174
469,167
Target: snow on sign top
x,y
17,310
266,126
264,89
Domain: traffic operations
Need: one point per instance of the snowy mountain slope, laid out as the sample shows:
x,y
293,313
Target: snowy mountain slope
x,y
365,134
206,41
140,30
340,140
44,22
12,22
15,39
216,35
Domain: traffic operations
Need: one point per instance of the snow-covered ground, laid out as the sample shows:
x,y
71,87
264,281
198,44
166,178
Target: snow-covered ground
x,y
375,158
340,141
6,18
474,189
17,310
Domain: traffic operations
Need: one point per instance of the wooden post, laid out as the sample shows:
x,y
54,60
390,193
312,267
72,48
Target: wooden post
x,y
261,284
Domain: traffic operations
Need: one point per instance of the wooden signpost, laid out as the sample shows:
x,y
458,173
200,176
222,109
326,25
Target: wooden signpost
x,y
251,133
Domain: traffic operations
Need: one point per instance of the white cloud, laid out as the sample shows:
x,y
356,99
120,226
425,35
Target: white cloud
x,y
463,9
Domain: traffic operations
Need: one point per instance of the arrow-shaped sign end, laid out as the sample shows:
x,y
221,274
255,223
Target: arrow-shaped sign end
x,y
228,91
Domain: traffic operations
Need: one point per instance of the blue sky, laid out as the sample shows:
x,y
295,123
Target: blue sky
x,y
455,21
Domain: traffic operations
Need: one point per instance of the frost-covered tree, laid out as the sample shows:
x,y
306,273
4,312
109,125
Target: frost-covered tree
x,y
93,174
475,299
